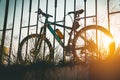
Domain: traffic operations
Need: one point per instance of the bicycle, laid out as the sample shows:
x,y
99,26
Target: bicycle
x,y
80,46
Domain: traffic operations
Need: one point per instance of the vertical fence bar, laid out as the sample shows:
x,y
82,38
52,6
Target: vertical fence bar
x,y
96,10
55,14
108,11
45,27
12,31
20,27
64,29
30,6
37,16
74,8
46,9
74,29
4,28
85,12
64,23
85,24
96,14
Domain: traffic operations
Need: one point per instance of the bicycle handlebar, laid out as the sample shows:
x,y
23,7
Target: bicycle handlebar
x,y
76,12
44,14
48,15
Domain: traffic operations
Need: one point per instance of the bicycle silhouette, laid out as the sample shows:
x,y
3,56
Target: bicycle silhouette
x,y
81,43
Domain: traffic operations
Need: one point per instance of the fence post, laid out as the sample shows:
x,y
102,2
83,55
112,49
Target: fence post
x,y
4,29
108,11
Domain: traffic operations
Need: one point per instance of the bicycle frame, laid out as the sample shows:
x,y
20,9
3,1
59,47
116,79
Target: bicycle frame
x,y
48,25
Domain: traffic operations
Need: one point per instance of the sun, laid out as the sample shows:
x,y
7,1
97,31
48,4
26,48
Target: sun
x,y
109,45
107,42
106,45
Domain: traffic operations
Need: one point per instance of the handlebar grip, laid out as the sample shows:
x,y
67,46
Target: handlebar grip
x,y
44,14
76,12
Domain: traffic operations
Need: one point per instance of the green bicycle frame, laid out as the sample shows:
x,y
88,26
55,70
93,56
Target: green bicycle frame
x,y
54,33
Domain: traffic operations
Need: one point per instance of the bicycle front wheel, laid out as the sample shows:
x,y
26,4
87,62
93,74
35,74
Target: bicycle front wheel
x,y
93,42
34,48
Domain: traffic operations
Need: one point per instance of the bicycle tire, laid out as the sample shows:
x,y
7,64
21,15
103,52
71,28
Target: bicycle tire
x,y
30,57
91,49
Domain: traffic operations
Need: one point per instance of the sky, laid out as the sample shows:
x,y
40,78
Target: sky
x,y
102,15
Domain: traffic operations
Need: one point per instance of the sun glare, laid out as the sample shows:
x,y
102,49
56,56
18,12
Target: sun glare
x,y
106,45
107,42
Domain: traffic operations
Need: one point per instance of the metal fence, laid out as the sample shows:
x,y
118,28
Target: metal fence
x,y
18,19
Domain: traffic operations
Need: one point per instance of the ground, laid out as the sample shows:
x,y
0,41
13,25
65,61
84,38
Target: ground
x,y
97,70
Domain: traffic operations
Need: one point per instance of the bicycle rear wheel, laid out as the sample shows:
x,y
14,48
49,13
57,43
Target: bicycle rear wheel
x,y
93,42
32,50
